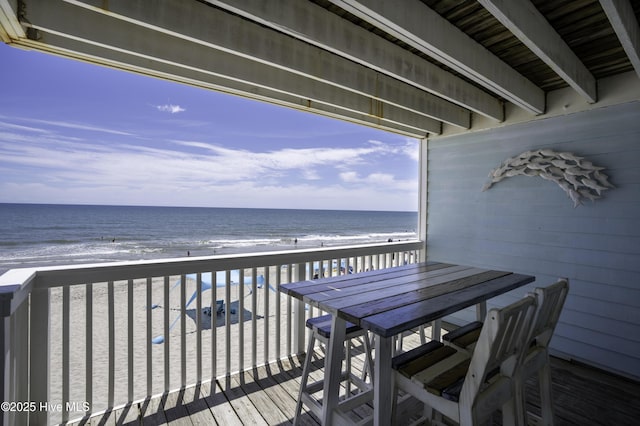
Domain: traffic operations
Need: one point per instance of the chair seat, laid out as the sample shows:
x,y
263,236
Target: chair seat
x,y
446,383
464,336
322,325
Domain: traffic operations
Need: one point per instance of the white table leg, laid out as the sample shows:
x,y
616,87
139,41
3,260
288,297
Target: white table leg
x,y
383,383
333,367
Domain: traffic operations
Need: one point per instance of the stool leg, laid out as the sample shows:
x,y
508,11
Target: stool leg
x,y
347,363
423,335
305,377
368,360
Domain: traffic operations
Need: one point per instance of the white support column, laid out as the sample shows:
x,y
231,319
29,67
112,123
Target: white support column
x,y
423,194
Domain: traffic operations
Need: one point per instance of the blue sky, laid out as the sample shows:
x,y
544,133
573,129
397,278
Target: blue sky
x,y
77,133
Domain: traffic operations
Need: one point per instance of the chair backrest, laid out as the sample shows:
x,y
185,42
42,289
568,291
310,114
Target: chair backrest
x,y
501,344
550,302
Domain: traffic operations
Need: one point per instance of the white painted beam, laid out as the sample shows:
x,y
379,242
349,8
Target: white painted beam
x,y
72,48
623,20
523,19
421,27
199,23
10,28
315,25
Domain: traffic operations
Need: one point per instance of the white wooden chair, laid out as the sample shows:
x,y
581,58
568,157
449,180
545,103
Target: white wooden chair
x,y
321,331
536,358
469,388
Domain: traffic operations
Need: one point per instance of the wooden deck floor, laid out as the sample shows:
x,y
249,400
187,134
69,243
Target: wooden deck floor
x,y
267,396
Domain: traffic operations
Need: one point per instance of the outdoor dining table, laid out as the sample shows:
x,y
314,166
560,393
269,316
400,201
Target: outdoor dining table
x,y
388,302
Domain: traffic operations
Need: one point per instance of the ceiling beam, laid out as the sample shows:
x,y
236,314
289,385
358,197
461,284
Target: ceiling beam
x,y
525,21
623,20
316,25
422,28
10,28
202,24
120,60
67,24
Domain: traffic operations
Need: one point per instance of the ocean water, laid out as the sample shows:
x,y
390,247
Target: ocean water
x,y
43,235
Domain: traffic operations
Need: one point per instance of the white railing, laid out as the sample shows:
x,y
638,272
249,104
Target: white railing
x,y
78,340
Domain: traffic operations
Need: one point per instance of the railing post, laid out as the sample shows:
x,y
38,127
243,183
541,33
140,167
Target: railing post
x,y
299,315
39,356
6,295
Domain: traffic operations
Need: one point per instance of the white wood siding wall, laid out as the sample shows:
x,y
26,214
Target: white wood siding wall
x,y
529,225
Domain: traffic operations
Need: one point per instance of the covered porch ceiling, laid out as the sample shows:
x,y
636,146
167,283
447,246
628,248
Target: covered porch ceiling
x,y
413,67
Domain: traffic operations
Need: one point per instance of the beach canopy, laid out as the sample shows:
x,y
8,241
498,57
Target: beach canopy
x,y
220,281
205,285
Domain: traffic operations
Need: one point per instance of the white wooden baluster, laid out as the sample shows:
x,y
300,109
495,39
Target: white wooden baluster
x,y
130,341
278,313
299,316
88,393
289,310
167,380
214,327
66,327
265,291
149,331
310,275
111,345
241,319
254,317
183,331
227,322
199,324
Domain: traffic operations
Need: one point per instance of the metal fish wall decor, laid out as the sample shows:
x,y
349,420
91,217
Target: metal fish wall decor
x,y
580,179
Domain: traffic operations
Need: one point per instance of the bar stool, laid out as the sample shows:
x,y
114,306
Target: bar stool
x,y
321,331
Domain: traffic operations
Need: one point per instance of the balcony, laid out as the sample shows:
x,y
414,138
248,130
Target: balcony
x,y
136,342
84,340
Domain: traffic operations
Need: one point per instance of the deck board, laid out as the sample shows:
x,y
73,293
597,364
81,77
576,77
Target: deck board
x,y
267,395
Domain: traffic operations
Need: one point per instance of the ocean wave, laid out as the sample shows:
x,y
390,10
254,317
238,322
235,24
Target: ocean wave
x,y
242,242
373,237
57,235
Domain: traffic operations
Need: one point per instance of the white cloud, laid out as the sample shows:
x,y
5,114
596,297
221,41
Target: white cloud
x,y
412,149
385,182
170,108
63,124
67,169
349,177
